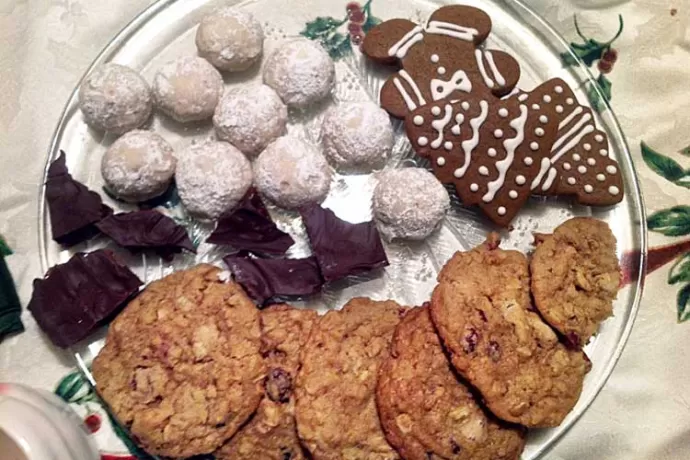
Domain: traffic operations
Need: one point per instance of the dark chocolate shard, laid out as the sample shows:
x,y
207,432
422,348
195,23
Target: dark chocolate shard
x,y
249,227
264,279
148,229
342,248
73,208
77,297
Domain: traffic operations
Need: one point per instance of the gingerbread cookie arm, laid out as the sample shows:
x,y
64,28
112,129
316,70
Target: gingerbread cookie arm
x,y
388,42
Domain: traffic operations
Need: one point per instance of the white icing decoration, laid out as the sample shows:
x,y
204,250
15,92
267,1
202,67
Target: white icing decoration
x,y
601,177
613,190
406,96
611,169
440,161
436,110
418,120
589,188
599,138
591,161
566,166
441,70
455,130
520,180
549,179
572,181
539,132
448,145
457,173
513,194
535,107
440,125
422,141
459,118
503,112
465,105
534,145
569,101
558,89
492,65
469,145
483,170
518,124
434,58
604,152
522,97
474,187
528,161
498,133
582,169
400,49
543,119
576,157
569,118
587,146
413,85
440,89
545,164
559,109
582,133
546,98
480,63
492,152
452,30
501,211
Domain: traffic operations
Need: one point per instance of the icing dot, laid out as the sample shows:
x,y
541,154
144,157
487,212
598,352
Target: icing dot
x,y
534,146
535,107
498,133
591,161
603,152
587,147
558,89
601,177
474,187
520,180
566,166
513,194
465,105
611,169
576,157
436,110
492,152
522,97
441,70
422,141
599,138
483,170
582,169
457,173
547,98
448,145
539,132
559,109
528,161
440,161
589,188
459,118
434,58
503,112
543,118
569,101
501,211
572,181
455,130
613,190
418,120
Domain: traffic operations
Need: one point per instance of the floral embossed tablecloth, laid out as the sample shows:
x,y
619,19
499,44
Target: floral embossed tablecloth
x,y
643,411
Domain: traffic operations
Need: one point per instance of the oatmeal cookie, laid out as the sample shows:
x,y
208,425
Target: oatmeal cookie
x,y
426,412
481,309
336,409
272,433
575,277
181,367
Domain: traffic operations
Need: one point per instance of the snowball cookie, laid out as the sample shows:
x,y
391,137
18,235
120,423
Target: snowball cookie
x,y
115,98
357,136
250,117
187,89
300,71
138,166
409,203
292,173
211,178
231,39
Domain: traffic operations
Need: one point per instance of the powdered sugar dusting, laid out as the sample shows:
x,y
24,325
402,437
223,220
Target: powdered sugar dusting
x,y
212,177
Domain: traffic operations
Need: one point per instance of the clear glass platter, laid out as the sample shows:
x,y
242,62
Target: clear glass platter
x,y
166,30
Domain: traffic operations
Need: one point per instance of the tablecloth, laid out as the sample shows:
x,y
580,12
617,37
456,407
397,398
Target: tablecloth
x,y
643,411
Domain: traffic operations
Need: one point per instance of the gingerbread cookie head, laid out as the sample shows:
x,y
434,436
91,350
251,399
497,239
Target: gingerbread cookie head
x,y
440,59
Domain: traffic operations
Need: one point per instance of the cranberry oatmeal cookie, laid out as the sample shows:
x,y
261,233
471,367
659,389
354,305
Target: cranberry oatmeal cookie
x,y
336,409
481,309
426,412
272,433
181,367
575,277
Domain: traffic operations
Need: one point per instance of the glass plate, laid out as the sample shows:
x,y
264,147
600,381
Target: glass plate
x,y
166,30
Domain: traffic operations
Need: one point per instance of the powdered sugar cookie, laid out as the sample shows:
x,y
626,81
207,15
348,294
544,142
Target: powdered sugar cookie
x,y
231,39
250,117
187,89
138,166
300,71
357,137
292,173
115,98
212,177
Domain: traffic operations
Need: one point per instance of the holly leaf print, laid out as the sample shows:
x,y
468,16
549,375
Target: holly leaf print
x,y
338,45
4,248
124,436
666,167
321,27
588,52
674,221
370,23
682,303
595,98
685,151
605,86
69,386
680,271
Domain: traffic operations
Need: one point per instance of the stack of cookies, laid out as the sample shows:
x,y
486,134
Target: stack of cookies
x,y
192,367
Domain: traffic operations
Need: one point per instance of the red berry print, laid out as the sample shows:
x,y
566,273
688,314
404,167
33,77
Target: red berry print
x,y
353,6
610,55
605,66
356,39
93,422
357,17
354,29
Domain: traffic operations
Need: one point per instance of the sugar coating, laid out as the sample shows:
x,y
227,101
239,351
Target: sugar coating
x,y
138,166
409,203
212,177
292,173
250,117
357,137
115,98
187,89
300,71
231,39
